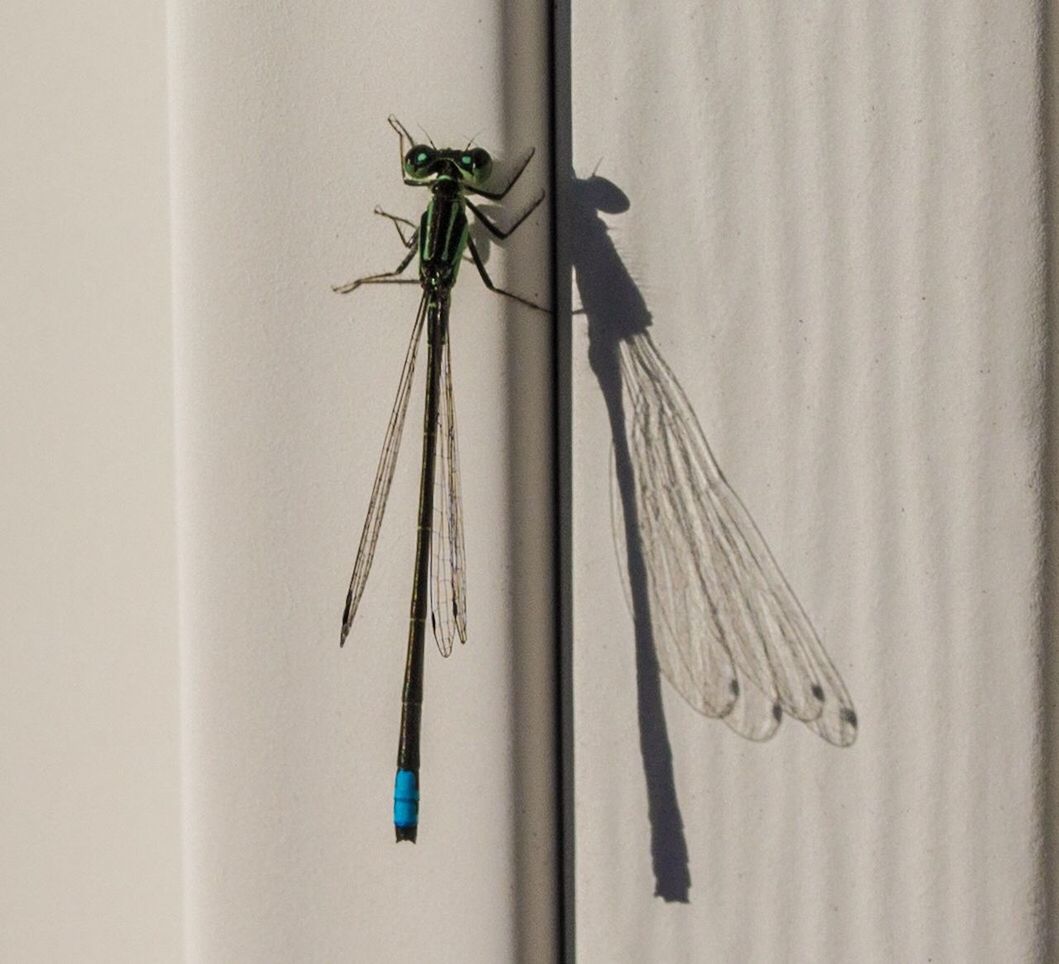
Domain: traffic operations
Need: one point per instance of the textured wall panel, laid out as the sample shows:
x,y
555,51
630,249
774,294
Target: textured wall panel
x,y
833,235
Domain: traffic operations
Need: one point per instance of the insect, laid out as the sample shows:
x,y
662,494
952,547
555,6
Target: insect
x,y
442,240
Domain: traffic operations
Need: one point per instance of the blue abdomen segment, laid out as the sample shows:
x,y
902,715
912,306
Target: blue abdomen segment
x,y
406,804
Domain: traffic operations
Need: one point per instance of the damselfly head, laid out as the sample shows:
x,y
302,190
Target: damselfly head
x,y
420,161
472,165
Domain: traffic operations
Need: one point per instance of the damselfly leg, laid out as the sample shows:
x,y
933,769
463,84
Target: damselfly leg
x,y
386,277
488,282
398,221
494,229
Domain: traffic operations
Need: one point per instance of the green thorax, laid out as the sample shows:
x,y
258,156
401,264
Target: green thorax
x,y
442,236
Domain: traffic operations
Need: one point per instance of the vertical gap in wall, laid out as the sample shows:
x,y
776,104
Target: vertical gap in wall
x,y
524,61
561,112
1048,919
536,60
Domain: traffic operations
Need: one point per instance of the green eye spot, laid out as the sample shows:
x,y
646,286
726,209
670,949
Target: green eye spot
x,y
418,161
466,160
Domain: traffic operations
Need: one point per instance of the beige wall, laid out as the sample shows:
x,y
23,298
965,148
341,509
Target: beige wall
x,y
850,289
89,741
280,150
837,233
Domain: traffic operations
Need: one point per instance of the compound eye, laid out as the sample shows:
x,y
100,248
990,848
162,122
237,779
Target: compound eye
x,y
418,161
477,163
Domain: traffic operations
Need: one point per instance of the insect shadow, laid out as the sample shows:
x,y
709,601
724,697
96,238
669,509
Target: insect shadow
x,y
712,612
615,310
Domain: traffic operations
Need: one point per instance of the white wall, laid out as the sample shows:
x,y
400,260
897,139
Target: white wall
x,y
280,151
835,220
835,223
89,739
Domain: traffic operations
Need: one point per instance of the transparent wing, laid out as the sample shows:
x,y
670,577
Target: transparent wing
x,y
448,587
731,635
380,491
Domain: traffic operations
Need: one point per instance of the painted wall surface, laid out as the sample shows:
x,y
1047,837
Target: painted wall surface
x,y
89,670
809,267
827,219
280,152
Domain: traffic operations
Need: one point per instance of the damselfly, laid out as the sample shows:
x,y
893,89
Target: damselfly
x,y
442,239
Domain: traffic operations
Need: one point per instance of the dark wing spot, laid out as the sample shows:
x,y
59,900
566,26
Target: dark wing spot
x,y
777,712
734,687
818,692
848,716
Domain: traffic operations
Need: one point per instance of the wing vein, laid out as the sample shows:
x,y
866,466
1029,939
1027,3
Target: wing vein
x,y
380,491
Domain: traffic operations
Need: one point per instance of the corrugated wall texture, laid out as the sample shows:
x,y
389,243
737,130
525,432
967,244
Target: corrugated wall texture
x,y
832,232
